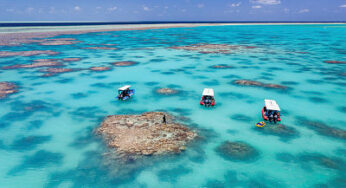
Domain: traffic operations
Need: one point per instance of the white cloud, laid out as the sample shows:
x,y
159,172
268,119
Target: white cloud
x,y
343,6
183,10
77,8
200,5
286,10
304,11
235,4
112,8
145,8
256,6
98,8
266,2
166,7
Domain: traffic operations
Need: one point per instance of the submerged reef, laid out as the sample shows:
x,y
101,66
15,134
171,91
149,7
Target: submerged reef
x,y
58,41
322,128
7,88
124,63
306,159
145,134
280,130
43,63
335,62
27,53
258,84
46,63
166,91
99,68
100,48
214,48
237,151
221,66
55,71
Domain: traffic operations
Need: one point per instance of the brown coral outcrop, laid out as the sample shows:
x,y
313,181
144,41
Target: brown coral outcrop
x,y
258,84
26,53
7,88
145,134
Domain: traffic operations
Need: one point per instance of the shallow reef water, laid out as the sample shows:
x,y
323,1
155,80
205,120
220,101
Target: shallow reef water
x,y
56,91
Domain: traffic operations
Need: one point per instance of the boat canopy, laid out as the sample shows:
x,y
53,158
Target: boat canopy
x,y
271,105
124,88
208,92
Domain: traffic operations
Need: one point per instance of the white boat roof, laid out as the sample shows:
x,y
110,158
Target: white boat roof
x,y
208,92
271,105
124,87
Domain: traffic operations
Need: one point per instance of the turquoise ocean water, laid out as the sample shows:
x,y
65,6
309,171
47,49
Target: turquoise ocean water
x,y
53,145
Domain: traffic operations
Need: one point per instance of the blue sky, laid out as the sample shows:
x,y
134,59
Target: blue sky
x,y
172,10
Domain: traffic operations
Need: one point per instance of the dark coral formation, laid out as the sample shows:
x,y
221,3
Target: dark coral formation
x,y
70,59
124,63
100,48
55,71
258,84
280,130
322,128
145,134
221,66
7,88
306,159
241,117
237,151
29,142
26,53
40,159
335,62
37,63
214,48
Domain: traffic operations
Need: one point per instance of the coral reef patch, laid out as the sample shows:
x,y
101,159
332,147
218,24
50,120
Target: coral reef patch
x,y
237,151
124,63
7,88
26,53
258,84
322,128
167,91
214,48
145,134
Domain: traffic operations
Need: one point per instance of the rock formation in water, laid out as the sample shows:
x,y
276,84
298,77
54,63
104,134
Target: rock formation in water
x,y
258,84
237,151
145,134
7,88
